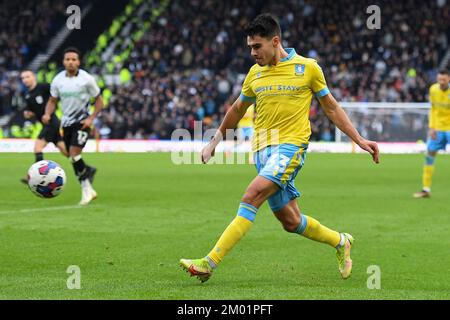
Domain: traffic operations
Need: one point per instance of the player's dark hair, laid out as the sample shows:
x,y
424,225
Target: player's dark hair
x,y
443,71
265,26
74,50
26,70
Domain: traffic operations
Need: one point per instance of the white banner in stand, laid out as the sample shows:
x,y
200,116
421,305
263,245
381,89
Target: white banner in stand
x,y
27,145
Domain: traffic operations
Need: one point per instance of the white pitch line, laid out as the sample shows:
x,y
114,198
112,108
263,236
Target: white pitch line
x,y
42,209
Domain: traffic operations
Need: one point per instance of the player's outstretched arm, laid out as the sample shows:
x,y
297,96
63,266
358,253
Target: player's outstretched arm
x,y
49,109
230,121
337,114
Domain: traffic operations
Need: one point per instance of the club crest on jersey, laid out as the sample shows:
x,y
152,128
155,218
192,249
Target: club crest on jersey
x,y
299,69
39,100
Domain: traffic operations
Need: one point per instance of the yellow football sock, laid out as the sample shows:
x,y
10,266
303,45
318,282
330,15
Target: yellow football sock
x,y
427,177
234,232
312,229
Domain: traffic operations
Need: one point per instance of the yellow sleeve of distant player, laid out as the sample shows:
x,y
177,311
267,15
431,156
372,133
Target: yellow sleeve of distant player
x,y
318,83
432,114
432,120
247,94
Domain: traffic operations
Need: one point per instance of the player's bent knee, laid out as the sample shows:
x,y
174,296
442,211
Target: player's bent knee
x,y
289,216
290,225
290,228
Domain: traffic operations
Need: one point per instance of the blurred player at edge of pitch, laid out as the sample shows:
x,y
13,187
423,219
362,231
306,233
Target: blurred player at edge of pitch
x,y
439,128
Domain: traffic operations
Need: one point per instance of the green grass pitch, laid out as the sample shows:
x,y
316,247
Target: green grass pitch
x,y
150,213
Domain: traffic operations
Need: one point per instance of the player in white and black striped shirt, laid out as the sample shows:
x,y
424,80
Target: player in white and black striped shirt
x,y
74,88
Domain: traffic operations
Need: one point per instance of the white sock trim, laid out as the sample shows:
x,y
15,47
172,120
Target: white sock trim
x,y
76,158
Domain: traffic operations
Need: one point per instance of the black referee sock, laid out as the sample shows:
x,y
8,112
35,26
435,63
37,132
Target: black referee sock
x,y
80,168
39,156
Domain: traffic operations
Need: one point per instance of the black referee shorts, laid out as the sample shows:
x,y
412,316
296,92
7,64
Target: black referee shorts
x,y
50,133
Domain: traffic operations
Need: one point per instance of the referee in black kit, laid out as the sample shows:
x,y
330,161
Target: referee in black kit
x,y
36,98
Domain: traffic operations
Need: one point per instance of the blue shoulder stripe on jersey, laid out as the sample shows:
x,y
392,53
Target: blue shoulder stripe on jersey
x,y
291,53
247,99
322,93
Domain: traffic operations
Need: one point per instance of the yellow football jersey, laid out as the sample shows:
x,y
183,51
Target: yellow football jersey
x,y
247,119
440,108
282,94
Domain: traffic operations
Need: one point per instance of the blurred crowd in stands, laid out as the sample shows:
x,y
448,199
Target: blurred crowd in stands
x,y
26,28
190,65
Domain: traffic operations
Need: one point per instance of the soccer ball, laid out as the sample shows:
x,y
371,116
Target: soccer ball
x,y
46,179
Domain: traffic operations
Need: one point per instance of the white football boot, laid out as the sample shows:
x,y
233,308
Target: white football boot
x,y
87,192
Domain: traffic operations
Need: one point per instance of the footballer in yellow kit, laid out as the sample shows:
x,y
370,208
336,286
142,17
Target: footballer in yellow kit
x,y
439,128
281,85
